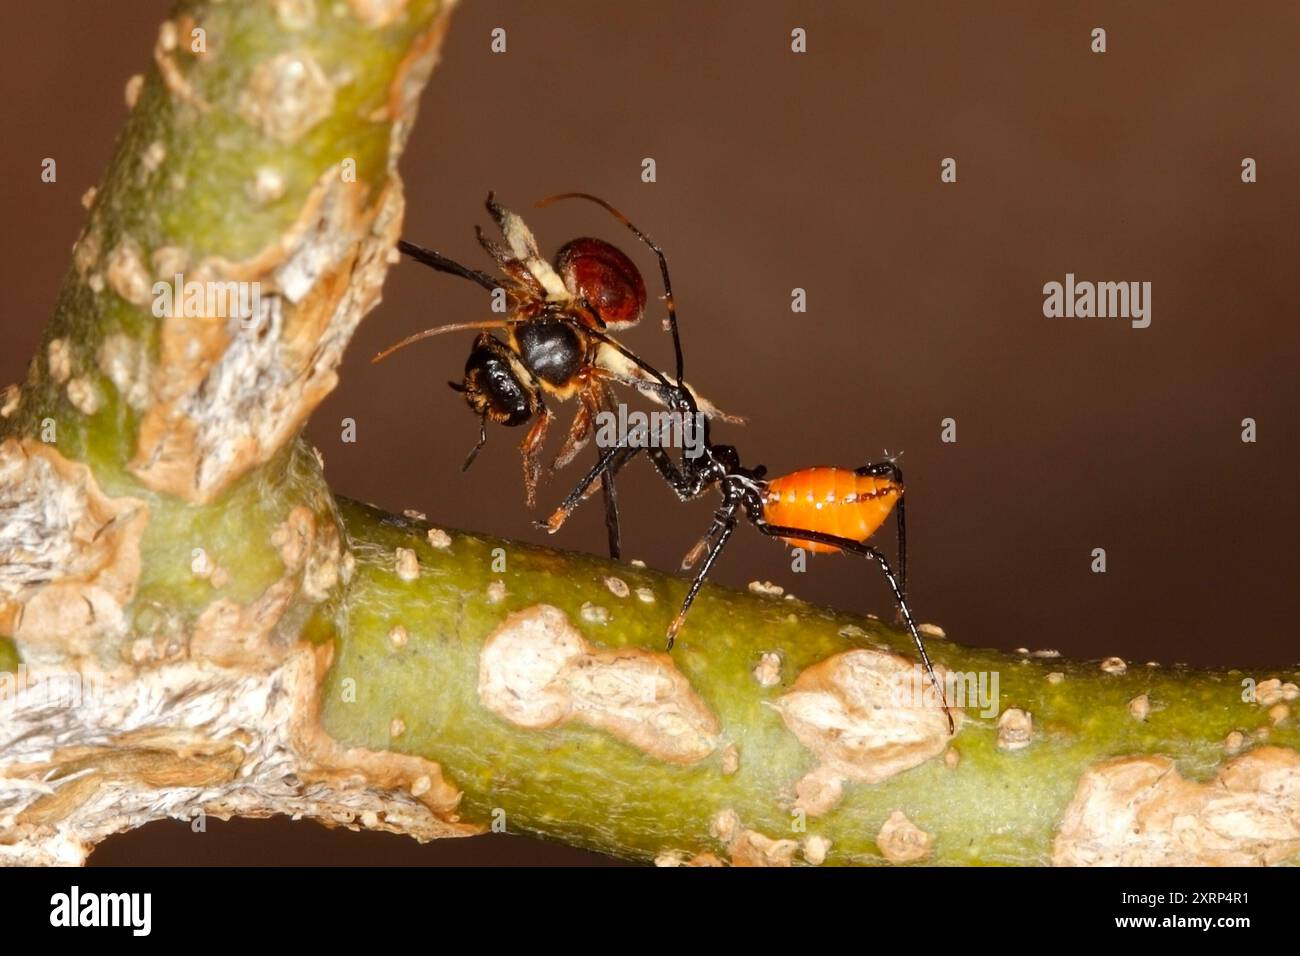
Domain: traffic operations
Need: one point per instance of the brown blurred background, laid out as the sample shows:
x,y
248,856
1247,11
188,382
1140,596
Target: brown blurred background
x,y
821,171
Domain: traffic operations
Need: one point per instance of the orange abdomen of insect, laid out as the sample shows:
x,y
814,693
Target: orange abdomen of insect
x,y
835,501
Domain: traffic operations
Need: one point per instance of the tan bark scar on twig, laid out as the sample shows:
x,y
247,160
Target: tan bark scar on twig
x,y
1140,811
902,841
378,13
173,77
69,554
854,711
226,393
748,848
287,95
233,729
536,670
234,634
344,767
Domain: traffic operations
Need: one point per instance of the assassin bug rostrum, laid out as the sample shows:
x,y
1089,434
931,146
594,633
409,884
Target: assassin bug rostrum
x,y
824,509
557,343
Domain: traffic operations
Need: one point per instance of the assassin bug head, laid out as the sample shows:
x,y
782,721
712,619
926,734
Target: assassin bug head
x,y
605,279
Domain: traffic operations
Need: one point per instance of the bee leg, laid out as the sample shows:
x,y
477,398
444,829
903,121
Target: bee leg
x,y
482,440
531,449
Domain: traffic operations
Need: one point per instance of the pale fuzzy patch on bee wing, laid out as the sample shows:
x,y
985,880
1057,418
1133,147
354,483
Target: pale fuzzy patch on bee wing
x,y
523,245
622,369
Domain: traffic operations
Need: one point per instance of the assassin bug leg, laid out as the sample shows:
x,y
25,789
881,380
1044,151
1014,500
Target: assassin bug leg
x,y
611,515
856,501
611,460
889,469
575,497
725,523
850,546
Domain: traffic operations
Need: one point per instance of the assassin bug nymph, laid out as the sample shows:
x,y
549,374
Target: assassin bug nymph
x,y
827,509
557,343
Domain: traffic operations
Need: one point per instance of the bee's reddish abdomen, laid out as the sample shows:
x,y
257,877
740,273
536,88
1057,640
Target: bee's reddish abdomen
x,y
606,278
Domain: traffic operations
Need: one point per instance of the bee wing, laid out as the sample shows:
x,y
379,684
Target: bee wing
x,y
523,246
624,370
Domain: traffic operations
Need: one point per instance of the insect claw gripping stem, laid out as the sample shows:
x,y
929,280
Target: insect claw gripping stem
x,y
673,628
850,546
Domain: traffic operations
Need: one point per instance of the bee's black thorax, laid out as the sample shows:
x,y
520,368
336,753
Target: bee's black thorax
x,y
551,349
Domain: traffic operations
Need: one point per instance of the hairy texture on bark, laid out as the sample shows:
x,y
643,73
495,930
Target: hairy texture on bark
x,y
191,623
